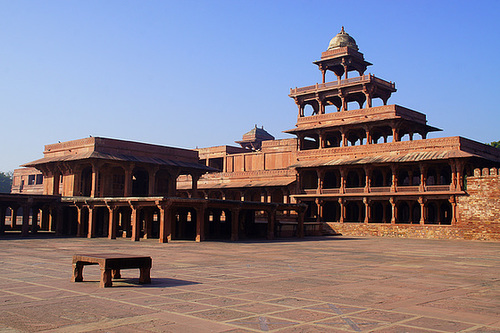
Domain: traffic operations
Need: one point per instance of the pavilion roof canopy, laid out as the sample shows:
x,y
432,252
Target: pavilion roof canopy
x,y
387,158
117,157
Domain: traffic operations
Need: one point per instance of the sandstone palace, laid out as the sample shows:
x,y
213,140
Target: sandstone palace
x,y
352,168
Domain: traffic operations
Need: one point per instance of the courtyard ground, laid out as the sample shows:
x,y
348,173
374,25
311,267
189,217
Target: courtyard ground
x,y
320,284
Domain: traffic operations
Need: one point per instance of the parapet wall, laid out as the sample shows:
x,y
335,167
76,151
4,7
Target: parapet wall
x,y
481,207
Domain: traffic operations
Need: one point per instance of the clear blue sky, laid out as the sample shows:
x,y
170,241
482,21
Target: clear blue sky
x,y
202,73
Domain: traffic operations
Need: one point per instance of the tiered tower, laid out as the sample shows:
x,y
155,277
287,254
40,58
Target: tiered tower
x,y
341,58
366,164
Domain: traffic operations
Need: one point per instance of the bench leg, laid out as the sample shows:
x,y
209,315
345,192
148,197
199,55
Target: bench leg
x,y
106,278
144,277
117,274
77,273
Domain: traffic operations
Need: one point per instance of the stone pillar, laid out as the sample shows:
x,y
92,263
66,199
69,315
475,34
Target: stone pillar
x,y
368,212
79,229
113,221
135,220
394,210
460,176
321,140
13,216
200,224
235,224
342,210
321,180
423,178
368,99
368,179
342,180
319,204
271,219
26,220
92,221
394,185
421,201
453,210
95,180
166,218
395,136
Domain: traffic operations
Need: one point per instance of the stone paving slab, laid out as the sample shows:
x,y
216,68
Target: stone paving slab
x,y
320,284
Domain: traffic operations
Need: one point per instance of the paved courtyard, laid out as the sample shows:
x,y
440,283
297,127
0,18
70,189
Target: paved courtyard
x,y
321,284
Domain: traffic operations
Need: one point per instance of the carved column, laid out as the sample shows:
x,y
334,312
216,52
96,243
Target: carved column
x,y
422,201
368,179
92,221
394,210
112,221
319,204
79,219
342,210
394,185
321,139
166,219
342,180
453,202
136,223
368,211
423,177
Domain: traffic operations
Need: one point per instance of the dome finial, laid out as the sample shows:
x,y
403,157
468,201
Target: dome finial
x,y
342,39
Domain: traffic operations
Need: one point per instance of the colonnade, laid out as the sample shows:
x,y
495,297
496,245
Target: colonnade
x,y
410,210
362,135
106,179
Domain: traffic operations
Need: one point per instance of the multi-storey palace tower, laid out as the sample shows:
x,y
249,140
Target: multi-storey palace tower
x,y
366,164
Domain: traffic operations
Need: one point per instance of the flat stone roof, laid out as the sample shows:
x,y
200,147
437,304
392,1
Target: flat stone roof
x,y
320,284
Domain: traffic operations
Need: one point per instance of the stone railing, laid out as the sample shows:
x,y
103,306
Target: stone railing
x,y
335,84
392,110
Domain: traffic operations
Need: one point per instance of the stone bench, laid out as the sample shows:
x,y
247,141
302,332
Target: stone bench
x,y
110,265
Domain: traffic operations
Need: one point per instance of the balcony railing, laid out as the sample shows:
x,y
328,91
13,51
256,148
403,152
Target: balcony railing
x,y
335,84
381,189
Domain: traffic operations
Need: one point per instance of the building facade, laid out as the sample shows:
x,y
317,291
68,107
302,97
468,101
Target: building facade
x,y
357,165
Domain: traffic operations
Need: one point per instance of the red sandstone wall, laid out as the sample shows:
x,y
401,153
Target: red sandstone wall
x,y
480,210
